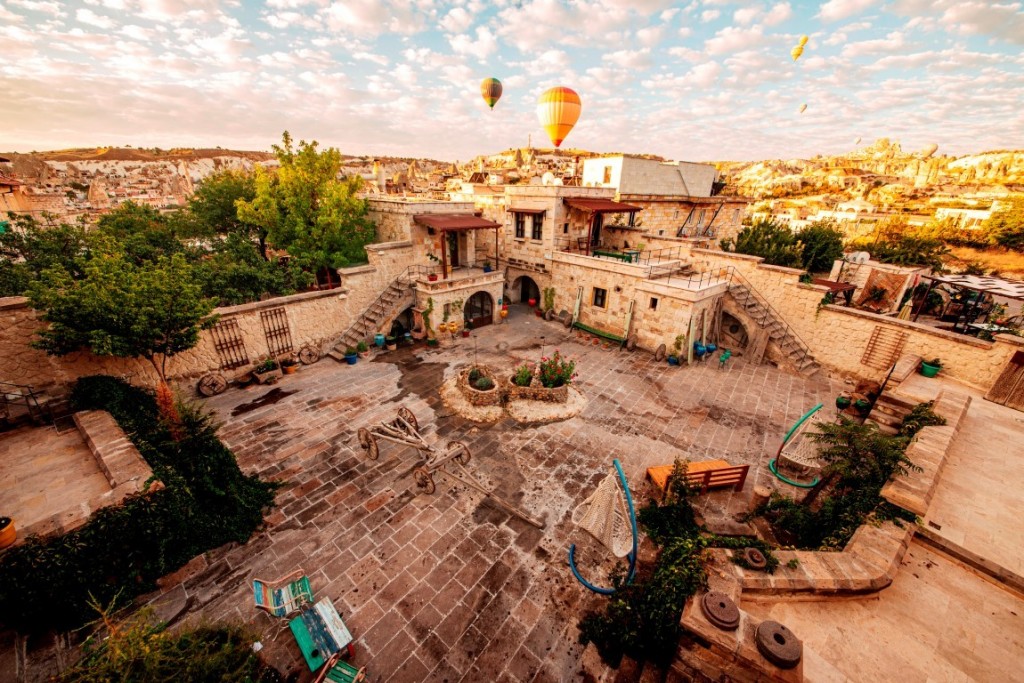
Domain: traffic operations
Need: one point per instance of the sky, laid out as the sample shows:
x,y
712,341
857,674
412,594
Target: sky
x,y
693,80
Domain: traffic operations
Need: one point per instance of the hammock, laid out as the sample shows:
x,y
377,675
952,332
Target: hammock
x,y
608,516
800,450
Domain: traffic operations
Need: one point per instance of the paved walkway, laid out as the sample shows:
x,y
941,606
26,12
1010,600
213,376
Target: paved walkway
x,y
448,587
938,621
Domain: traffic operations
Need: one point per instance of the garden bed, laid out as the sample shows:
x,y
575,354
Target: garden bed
x,y
479,397
536,391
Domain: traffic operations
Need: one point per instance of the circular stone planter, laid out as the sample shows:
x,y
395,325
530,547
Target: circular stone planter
x,y
479,397
536,392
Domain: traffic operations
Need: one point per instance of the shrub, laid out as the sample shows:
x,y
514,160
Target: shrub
x,y
474,375
821,243
266,365
140,650
919,417
350,351
484,384
556,371
773,242
123,549
362,347
523,375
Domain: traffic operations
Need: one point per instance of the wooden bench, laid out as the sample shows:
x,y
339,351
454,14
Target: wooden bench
x,y
599,333
708,474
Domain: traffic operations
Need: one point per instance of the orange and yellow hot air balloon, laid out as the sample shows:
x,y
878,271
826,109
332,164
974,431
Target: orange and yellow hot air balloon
x,y
796,52
803,41
490,89
558,110
803,108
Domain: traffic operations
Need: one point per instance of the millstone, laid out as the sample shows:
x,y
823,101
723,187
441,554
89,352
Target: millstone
x,y
778,644
659,353
754,558
720,610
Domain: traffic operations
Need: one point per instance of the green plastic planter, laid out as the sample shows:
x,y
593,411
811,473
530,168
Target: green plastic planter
x,y
929,370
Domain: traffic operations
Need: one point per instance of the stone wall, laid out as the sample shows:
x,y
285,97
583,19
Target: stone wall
x,y
316,318
664,216
455,294
619,280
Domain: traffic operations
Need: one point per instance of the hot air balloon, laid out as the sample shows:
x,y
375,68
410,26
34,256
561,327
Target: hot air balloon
x,y
857,141
802,108
929,150
558,110
803,40
796,52
490,89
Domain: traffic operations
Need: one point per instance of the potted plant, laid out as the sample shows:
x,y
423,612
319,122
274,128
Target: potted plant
x,y
843,402
930,368
8,534
363,349
289,365
487,266
266,371
351,355
862,406
466,327
677,346
523,376
432,342
432,277
390,343
532,302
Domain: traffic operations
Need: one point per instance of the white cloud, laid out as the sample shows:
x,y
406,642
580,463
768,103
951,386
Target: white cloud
x,y
9,17
632,59
457,20
650,36
834,10
746,15
892,43
87,16
484,45
709,15
731,39
778,14
1002,19
51,8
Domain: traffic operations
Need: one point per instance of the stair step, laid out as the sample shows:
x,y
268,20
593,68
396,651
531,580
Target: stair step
x,y
340,357
891,400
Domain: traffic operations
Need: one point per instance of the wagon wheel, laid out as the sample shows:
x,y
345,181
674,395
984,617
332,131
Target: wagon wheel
x,y
463,457
631,343
212,384
369,443
659,354
408,416
309,355
424,479
549,315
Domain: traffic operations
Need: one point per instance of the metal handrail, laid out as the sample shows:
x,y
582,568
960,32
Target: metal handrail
x,y
805,349
24,392
404,279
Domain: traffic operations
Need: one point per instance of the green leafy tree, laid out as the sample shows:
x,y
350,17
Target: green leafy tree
x,y
773,242
142,232
909,250
235,272
821,244
307,209
1005,227
30,247
118,307
213,207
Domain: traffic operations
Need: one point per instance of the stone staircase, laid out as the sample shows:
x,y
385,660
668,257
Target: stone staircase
x,y
780,333
888,413
393,300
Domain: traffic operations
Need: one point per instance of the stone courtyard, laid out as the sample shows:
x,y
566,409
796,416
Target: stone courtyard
x,y
449,587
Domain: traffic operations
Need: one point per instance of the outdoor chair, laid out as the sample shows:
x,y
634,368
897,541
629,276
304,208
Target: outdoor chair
x,y
283,597
338,670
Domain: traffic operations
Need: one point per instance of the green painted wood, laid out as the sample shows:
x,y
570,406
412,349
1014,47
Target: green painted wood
x,y
599,333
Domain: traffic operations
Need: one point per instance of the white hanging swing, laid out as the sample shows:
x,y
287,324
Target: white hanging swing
x,y
608,516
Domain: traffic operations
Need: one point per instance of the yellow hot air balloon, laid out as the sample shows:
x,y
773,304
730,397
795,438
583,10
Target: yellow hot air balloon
x,y
558,110
490,89
796,52
803,40
929,150
802,108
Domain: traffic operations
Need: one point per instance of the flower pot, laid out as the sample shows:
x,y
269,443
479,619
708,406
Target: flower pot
x,y
929,370
351,358
432,343
432,277
843,402
503,313
539,313
268,377
364,354
532,302
465,333
8,534
672,360
863,406
391,346
487,269
378,339
289,369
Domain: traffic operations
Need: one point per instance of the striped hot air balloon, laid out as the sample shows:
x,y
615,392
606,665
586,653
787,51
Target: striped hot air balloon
x,y
803,41
796,52
803,108
490,90
558,110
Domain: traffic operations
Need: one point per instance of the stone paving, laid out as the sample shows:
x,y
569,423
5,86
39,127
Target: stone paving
x,y
448,587
47,476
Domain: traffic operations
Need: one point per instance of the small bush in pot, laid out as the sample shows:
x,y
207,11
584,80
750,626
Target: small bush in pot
x,y
351,355
474,375
556,371
484,383
523,375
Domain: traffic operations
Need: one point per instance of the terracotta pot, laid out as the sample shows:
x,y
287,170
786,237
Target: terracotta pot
x,y
504,313
8,534
289,369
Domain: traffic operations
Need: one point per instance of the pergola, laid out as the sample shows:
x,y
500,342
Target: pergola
x,y
597,207
982,285
445,223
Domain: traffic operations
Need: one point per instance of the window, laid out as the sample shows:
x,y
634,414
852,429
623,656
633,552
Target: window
x,y
565,229
600,296
520,225
607,174
654,303
538,226
700,218
735,215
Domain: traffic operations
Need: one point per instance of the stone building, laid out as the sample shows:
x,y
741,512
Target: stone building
x,y
678,198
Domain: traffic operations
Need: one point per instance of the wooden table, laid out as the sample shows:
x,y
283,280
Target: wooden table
x,y
320,633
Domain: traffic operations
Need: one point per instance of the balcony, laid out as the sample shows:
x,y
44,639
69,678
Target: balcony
x,y
460,277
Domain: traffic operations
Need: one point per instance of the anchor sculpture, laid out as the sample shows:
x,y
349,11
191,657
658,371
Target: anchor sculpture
x,y
404,430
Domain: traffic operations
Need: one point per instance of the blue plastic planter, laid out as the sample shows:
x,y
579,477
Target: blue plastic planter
x,y
672,360
351,360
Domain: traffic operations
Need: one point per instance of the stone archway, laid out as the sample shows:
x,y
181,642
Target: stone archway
x,y
524,288
734,333
479,309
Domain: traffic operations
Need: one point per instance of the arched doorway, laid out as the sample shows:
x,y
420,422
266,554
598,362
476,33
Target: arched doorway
x,y
528,289
479,310
734,334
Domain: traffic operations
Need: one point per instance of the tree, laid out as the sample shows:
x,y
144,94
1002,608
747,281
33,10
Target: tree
x,y
307,210
118,307
821,244
1005,227
773,242
29,247
234,273
213,207
142,232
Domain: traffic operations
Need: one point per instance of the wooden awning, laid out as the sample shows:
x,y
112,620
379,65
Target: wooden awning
x,y
450,222
600,205
519,209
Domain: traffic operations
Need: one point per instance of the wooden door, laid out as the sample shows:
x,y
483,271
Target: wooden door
x,y
1009,387
480,310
